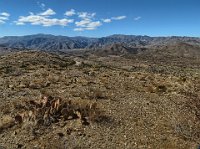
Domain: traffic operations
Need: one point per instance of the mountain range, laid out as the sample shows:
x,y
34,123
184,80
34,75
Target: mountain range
x,y
46,42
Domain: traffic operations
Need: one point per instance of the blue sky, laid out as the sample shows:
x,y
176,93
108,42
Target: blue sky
x,y
97,18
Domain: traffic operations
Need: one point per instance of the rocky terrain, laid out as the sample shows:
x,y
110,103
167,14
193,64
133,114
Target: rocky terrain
x,y
115,97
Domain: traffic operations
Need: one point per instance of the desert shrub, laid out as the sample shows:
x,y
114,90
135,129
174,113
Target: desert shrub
x,y
48,110
161,88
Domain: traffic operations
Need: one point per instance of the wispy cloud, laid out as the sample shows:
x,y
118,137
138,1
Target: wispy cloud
x,y
109,20
41,5
106,20
86,15
70,13
48,12
119,18
79,29
137,18
87,25
4,16
87,22
43,19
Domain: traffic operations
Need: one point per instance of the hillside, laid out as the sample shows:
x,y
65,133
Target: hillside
x,y
117,49
58,101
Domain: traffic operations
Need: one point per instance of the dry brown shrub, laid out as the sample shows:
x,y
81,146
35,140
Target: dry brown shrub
x,y
48,110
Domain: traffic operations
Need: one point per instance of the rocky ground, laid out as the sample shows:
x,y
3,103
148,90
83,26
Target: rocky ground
x,y
70,102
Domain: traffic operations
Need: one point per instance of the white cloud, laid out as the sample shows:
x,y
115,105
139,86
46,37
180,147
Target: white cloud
x,y
19,23
82,23
70,12
86,15
2,22
3,17
119,18
87,25
48,12
90,28
137,18
109,20
43,19
79,29
106,20
5,14
93,25
87,22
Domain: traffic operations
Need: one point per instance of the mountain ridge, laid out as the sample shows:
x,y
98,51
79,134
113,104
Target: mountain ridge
x,y
48,42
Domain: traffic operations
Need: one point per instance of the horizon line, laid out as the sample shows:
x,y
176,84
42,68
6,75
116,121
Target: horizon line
x,y
101,36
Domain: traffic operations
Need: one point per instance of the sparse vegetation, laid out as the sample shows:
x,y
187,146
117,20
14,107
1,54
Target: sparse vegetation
x,y
47,101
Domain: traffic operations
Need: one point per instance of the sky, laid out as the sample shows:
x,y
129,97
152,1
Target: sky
x,y
98,18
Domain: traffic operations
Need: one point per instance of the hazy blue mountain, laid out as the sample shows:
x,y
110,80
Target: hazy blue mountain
x,y
46,42
62,43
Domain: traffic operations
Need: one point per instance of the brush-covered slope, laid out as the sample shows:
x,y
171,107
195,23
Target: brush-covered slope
x,y
51,101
